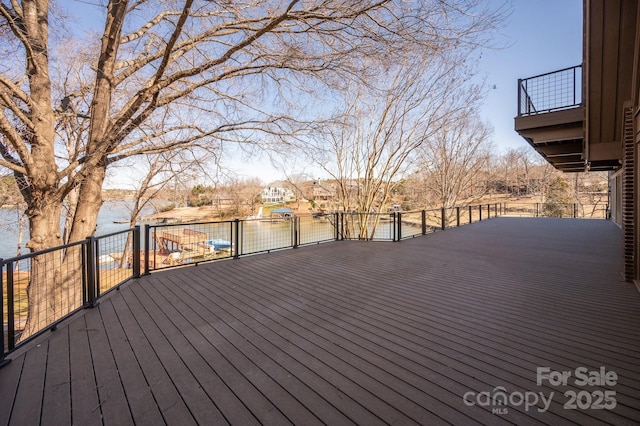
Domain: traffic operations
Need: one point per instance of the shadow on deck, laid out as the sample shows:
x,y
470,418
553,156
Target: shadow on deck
x,y
423,331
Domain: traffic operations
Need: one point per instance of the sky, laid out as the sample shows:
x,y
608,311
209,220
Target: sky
x,y
540,36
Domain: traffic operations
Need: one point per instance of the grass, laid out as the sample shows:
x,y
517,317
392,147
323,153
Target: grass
x,y
109,278
20,302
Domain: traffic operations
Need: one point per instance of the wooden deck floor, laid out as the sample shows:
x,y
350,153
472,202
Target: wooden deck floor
x,y
352,333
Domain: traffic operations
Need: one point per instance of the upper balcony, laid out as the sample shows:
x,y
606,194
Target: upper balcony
x,y
551,117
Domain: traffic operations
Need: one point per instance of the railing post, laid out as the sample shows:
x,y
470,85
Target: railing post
x,y
96,268
488,211
458,216
147,245
3,360
537,209
424,222
480,211
136,251
575,210
336,225
519,97
296,234
11,315
443,220
470,214
90,267
574,85
399,226
236,251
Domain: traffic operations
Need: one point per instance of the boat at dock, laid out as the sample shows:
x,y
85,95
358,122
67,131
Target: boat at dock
x,y
219,244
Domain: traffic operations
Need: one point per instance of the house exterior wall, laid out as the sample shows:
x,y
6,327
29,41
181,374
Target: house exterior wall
x,y
634,105
276,195
636,193
611,66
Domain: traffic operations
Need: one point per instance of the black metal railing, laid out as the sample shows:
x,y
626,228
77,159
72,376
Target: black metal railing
x,y
551,91
60,281
558,210
75,276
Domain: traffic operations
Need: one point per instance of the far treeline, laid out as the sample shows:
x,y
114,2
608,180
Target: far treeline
x,y
517,176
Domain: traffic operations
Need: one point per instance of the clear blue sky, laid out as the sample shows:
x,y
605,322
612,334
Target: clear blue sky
x,y
542,36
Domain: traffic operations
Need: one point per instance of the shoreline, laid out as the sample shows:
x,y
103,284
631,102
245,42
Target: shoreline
x,y
184,214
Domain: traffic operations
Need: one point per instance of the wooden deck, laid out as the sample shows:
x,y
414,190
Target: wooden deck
x,y
352,333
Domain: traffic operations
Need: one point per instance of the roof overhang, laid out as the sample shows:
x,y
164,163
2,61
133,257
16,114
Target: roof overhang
x,y
558,136
610,40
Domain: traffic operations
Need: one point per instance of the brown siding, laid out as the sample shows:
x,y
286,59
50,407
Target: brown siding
x,y
610,62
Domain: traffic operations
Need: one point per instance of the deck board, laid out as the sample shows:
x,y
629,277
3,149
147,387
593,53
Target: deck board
x,y
348,333
144,408
167,397
197,336
176,358
28,402
10,378
56,403
327,333
246,355
85,403
113,402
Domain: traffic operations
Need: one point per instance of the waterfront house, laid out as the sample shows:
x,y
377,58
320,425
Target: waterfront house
x,y
276,195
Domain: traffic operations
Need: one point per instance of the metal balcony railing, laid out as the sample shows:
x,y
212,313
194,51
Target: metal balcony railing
x,y
86,270
549,92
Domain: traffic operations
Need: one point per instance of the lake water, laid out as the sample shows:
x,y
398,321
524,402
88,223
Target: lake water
x,y
256,235
10,222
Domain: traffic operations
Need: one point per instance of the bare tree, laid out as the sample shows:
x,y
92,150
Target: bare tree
x,y
591,194
527,162
374,142
515,168
300,185
453,160
160,170
241,195
161,78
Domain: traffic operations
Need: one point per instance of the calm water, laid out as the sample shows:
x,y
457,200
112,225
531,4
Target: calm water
x,y
256,235
10,221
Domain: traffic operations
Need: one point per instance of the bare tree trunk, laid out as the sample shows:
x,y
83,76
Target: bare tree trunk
x,y
89,203
45,284
55,287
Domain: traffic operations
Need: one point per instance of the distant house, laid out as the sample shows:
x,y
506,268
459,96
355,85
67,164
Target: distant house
x,y
275,194
324,190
